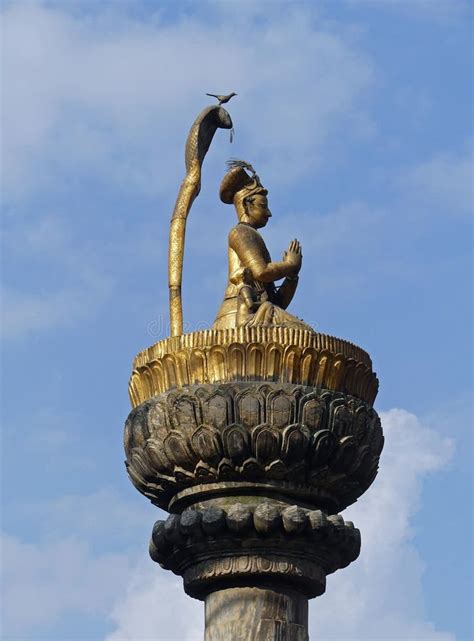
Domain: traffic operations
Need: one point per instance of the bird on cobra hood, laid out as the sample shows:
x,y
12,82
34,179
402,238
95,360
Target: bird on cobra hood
x,y
222,99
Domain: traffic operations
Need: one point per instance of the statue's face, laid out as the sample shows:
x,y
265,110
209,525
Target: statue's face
x,y
257,211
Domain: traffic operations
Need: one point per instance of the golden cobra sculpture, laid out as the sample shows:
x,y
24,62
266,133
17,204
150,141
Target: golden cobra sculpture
x,y
198,142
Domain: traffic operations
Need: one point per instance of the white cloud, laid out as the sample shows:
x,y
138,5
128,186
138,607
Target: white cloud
x,y
108,95
443,182
47,581
380,596
77,562
155,607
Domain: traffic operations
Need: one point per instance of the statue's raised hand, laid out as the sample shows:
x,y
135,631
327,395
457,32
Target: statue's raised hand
x,y
293,257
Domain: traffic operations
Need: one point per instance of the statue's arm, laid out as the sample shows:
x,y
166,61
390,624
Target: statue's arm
x,y
248,246
284,294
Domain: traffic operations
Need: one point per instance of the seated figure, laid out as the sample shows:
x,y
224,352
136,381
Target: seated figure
x,y
252,311
251,297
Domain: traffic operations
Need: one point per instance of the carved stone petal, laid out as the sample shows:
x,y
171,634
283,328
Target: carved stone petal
x,y
157,456
128,435
347,453
281,409
206,442
313,413
185,411
363,462
185,477
324,444
139,464
295,443
226,470
361,424
265,443
251,469
217,411
136,478
377,435
276,470
341,420
205,472
177,450
249,409
236,443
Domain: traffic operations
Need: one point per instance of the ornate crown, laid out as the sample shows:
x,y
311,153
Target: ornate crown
x,y
237,179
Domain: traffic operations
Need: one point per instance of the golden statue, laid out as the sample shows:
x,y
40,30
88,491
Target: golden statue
x,y
251,297
247,252
253,337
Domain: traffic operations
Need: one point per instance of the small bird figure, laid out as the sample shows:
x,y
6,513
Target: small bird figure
x,y
222,99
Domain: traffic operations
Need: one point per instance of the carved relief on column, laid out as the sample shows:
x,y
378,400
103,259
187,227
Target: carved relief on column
x,y
260,544
319,446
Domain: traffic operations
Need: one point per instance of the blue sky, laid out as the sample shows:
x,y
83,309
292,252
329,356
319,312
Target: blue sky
x,y
357,115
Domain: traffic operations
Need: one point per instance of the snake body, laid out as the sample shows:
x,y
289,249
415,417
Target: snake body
x,y
197,145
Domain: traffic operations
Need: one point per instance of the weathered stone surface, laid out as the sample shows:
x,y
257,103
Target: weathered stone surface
x,y
255,545
254,475
294,519
239,518
171,529
213,521
190,522
251,614
266,518
315,444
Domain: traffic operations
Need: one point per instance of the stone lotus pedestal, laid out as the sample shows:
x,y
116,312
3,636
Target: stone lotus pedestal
x,y
253,439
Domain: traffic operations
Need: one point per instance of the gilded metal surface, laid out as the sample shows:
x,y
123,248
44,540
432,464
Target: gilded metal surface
x,y
282,335
197,145
253,354
251,297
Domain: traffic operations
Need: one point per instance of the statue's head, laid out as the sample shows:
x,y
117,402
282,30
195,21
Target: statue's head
x,y
246,193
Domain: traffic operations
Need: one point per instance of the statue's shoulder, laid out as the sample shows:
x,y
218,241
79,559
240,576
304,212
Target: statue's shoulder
x,y
243,233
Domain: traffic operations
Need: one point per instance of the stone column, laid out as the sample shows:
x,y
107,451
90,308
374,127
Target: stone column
x,y
255,564
263,614
254,474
